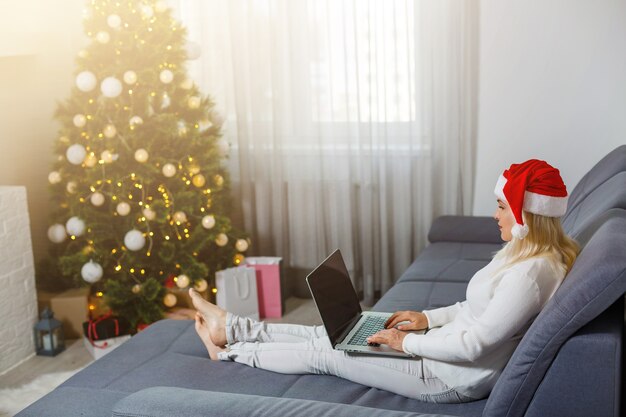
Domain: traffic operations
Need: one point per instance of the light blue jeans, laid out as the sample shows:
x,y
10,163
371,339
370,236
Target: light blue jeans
x,y
297,349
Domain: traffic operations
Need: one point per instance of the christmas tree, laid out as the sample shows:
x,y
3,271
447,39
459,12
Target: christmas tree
x,y
140,189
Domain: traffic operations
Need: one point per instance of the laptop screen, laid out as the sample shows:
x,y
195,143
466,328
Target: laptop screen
x,y
334,295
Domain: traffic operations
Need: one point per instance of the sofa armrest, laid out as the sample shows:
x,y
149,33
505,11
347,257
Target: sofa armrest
x,y
171,401
474,229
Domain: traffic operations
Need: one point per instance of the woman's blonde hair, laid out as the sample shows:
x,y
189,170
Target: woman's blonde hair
x,y
545,238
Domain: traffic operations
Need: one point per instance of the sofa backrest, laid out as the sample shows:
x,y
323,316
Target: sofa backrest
x,y
608,195
613,163
596,281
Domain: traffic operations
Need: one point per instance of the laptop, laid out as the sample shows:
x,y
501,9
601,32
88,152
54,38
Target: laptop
x,y
347,326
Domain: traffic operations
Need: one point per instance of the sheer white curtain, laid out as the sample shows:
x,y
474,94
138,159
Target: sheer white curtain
x,y
352,122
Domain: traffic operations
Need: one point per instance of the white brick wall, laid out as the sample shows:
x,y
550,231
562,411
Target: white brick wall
x,y
18,297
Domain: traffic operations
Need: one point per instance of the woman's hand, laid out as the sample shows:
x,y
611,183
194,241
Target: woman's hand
x,y
418,321
391,337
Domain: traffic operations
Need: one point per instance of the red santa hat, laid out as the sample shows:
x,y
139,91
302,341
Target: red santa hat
x,y
534,186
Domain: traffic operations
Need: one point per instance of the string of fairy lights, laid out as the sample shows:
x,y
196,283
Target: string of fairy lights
x,y
97,138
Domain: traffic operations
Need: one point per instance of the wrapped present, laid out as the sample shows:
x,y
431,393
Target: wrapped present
x,y
236,291
70,307
97,306
106,327
268,285
99,348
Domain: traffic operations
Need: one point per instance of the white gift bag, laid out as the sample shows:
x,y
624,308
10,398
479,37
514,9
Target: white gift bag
x,y
99,348
237,292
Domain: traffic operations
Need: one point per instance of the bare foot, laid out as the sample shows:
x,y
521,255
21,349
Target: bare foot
x,y
204,333
214,317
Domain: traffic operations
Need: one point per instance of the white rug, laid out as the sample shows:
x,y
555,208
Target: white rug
x,y
13,400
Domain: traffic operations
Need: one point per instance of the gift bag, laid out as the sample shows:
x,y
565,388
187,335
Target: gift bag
x,y
268,285
237,292
102,347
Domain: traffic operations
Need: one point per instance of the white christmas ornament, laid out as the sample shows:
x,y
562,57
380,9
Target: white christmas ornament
x,y
134,240
169,170
208,222
136,289
54,177
56,233
169,300
75,226
130,77
109,131
114,21
134,121
123,208
107,156
166,76
201,285
86,81
97,199
194,102
79,120
91,272
149,214
241,245
180,217
141,155
193,50
182,281
103,37
76,154
111,87
221,240
71,187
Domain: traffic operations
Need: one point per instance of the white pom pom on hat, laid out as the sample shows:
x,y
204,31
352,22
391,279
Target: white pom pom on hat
x,y
534,186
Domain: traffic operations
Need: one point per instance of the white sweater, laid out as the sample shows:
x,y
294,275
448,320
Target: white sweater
x,y
469,343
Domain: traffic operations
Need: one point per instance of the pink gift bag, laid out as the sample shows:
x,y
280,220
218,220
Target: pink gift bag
x,y
268,285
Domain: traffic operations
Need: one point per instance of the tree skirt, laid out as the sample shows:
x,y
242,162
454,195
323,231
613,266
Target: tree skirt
x,y
13,400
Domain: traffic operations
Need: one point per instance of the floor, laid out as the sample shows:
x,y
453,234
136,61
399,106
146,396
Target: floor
x,y
297,310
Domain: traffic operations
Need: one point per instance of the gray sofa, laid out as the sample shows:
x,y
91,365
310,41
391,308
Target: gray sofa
x,y
568,364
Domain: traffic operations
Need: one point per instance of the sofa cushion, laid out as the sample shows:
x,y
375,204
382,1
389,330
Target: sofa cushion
x,y
450,262
472,229
169,353
583,235
596,281
74,401
614,162
608,195
173,402
417,296
596,378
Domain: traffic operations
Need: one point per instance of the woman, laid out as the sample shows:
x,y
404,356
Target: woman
x,y
467,344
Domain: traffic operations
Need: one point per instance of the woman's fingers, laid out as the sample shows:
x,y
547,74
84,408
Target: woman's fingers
x,y
392,338
396,318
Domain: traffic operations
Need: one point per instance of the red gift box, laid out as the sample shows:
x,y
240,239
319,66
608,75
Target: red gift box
x,y
268,285
105,327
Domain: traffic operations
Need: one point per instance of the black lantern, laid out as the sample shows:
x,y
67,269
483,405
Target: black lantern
x,y
49,338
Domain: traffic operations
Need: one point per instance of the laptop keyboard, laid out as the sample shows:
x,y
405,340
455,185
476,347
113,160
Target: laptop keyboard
x,y
371,325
